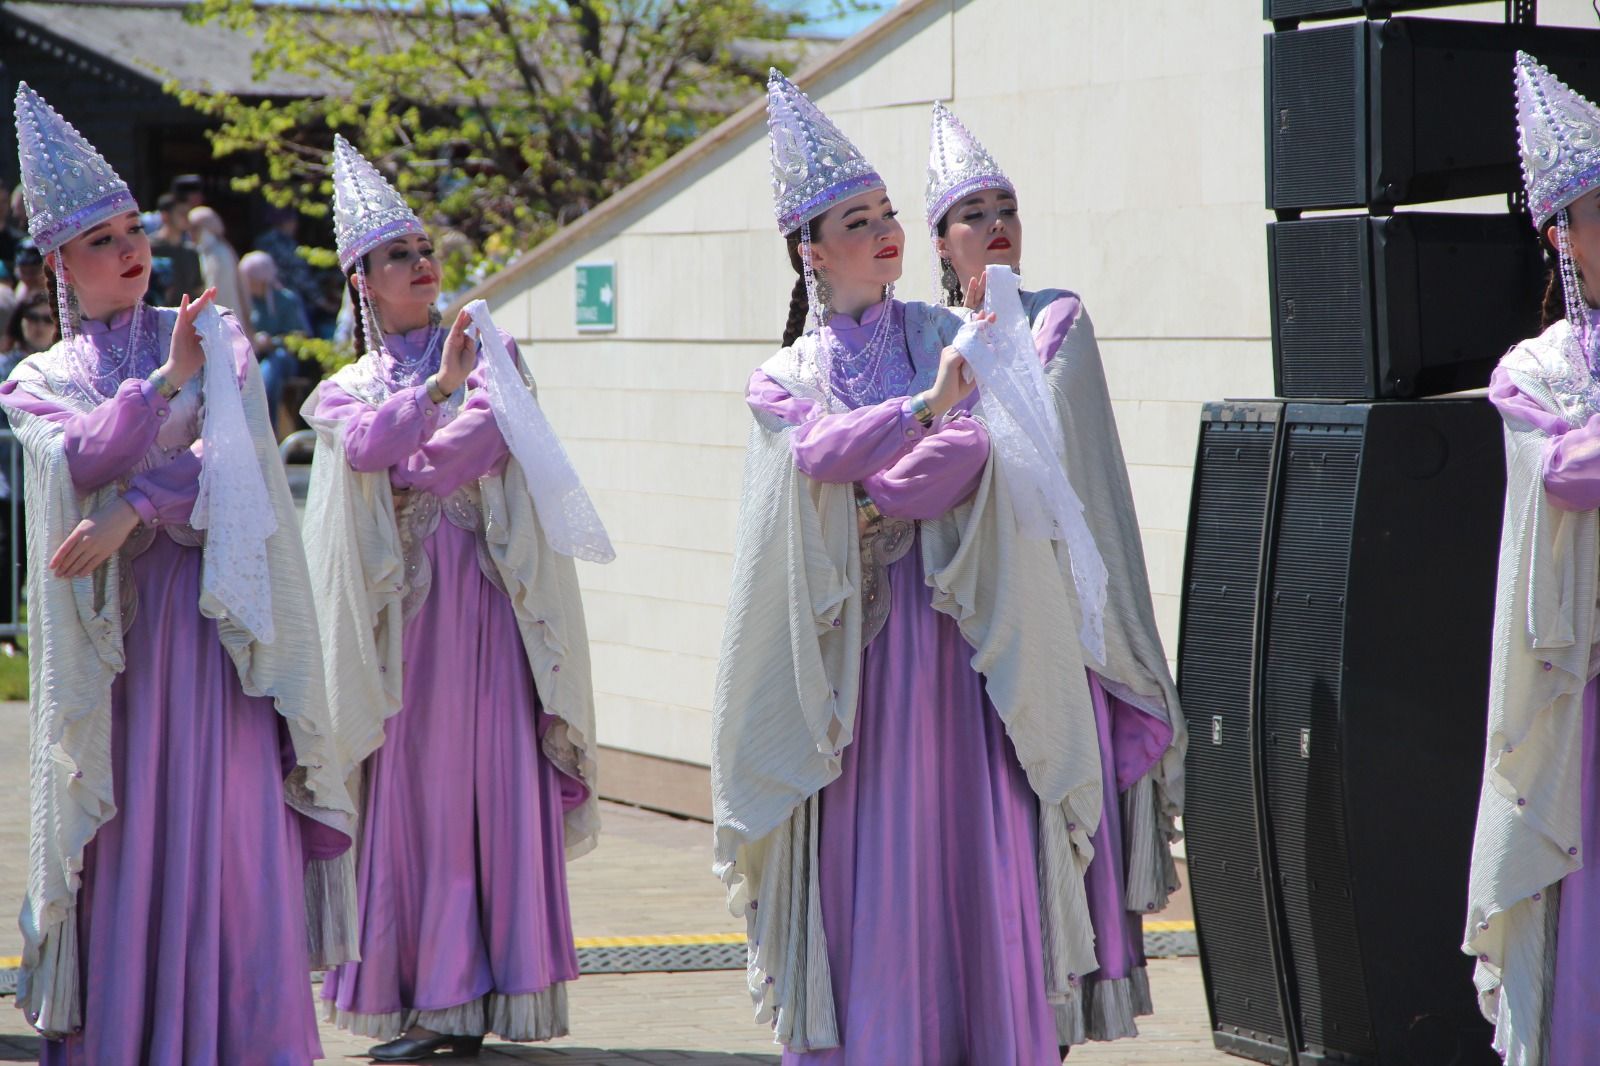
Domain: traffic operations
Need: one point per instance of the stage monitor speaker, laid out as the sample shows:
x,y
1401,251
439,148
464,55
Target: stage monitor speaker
x,y
1288,11
1404,111
1333,662
1413,304
1223,826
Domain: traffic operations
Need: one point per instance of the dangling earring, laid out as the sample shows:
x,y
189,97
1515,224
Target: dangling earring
x,y
808,271
1572,288
369,318
434,318
949,284
67,316
824,298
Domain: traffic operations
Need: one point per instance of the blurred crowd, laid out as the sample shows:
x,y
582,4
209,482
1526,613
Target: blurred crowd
x,y
274,292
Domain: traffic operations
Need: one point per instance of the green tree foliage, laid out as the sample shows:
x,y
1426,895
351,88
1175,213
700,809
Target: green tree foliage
x,y
500,119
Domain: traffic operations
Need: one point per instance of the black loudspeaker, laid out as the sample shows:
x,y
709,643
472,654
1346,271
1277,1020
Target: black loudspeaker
x,y
1368,307
1333,662
1404,111
1217,653
1293,10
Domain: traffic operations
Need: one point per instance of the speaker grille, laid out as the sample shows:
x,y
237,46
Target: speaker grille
x,y
1322,313
1215,652
1302,756
1315,130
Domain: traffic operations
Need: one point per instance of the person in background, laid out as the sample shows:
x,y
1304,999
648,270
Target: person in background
x,y
9,238
281,242
17,220
275,313
28,268
189,192
30,328
174,265
219,263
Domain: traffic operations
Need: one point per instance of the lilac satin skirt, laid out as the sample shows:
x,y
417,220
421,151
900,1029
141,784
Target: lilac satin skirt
x,y
1131,742
927,862
1575,1008
191,915
462,871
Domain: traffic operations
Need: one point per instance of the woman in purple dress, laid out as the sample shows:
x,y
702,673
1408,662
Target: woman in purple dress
x,y
1533,902
454,629
902,802
974,221
187,798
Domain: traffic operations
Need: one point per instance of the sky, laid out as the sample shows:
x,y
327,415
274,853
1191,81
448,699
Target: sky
x,y
841,27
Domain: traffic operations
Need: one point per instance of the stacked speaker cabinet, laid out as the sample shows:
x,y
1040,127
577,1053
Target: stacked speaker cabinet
x,y
1339,580
1376,115
1333,660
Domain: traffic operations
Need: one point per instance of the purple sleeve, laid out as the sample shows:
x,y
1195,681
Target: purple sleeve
x,y
377,438
838,448
943,469
465,449
165,495
1052,325
103,444
1571,456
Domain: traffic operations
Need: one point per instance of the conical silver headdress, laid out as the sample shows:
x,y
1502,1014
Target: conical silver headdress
x,y
367,210
814,165
67,185
1558,133
958,166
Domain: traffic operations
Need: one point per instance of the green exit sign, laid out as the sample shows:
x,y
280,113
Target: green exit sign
x,y
597,296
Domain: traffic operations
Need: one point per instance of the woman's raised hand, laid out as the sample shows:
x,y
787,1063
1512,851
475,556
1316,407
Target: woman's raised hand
x,y
976,285
95,539
951,384
185,357
460,355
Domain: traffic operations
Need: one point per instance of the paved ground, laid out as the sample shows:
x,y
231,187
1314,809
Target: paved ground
x,y
649,876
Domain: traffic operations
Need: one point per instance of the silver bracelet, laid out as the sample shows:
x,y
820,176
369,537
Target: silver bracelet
x,y
159,382
921,411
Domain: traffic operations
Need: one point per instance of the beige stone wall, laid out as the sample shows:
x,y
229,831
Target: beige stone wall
x,y
1133,131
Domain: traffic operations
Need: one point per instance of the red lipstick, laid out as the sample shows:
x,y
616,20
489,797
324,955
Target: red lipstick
x,y
133,271
999,244
426,279
890,252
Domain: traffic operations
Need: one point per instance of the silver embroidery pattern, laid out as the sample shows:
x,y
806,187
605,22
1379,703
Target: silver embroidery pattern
x,y
886,542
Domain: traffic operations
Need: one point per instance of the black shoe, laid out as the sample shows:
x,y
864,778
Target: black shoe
x,y
424,1048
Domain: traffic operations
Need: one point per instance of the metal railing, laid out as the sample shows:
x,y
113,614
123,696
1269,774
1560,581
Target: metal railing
x,y
16,561
295,450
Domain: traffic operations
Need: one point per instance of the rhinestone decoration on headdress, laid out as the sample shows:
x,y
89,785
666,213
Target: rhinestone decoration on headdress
x,y
957,166
1558,132
67,185
367,210
814,165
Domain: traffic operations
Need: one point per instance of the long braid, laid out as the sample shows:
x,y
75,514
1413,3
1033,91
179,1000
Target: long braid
x,y
1553,308
799,299
798,306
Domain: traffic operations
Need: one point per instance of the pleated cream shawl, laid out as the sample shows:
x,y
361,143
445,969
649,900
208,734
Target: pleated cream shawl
x,y
1544,655
75,653
1136,668
357,569
787,684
